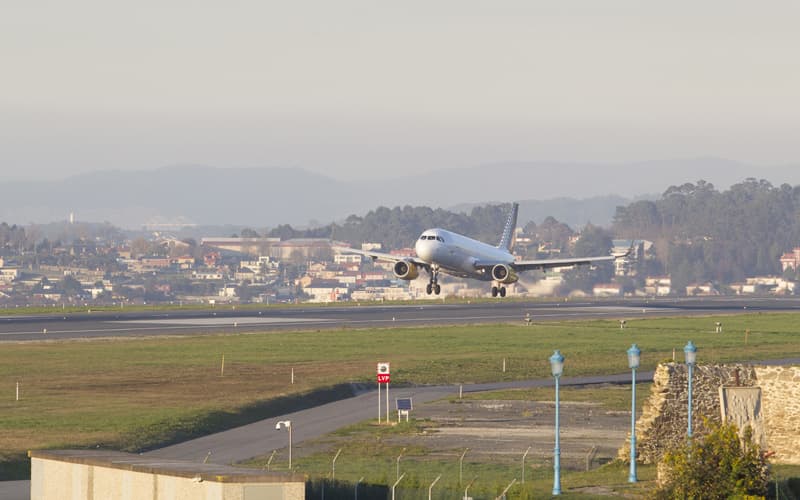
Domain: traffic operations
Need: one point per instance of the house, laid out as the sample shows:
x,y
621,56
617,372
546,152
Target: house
x,y
326,290
8,274
345,258
791,260
208,275
658,286
701,290
767,285
183,262
250,246
607,290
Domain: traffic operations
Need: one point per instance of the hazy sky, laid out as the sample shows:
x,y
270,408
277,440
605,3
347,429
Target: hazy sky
x,y
354,88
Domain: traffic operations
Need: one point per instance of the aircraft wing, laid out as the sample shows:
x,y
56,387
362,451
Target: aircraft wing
x,y
529,265
382,256
526,265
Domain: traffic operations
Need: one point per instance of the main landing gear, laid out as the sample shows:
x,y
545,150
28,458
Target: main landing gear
x,y
498,290
433,286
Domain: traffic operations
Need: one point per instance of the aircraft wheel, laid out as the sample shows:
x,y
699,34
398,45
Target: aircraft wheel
x,y
494,291
429,289
502,291
437,289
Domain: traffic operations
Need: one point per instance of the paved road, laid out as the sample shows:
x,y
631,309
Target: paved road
x,y
260,438
139,324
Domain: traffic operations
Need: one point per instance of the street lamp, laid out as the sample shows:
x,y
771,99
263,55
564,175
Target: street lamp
x,y
557,368
398,462
359,482
461,466
333,465
288,425
690,351
523,463
634,356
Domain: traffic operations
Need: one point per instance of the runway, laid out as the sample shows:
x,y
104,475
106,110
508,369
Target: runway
x,y
270,319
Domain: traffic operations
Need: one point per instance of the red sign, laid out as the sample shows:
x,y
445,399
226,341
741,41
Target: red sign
x,y
383,378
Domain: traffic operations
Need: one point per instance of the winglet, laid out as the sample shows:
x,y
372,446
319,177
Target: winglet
x,y
507,240
626,252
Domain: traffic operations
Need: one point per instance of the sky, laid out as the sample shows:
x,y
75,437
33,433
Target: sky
x,y
362,88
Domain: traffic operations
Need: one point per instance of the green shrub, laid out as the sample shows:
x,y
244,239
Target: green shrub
x,y
719,465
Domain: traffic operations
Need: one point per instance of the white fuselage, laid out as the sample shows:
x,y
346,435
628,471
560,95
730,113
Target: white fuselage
x,y
456,254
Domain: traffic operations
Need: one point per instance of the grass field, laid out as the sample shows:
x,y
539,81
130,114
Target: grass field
x,y
138,393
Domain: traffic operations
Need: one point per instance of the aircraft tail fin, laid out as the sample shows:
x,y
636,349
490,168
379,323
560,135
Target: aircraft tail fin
x,y
507,240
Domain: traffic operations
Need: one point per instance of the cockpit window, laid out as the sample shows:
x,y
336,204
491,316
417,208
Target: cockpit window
x,y
439,238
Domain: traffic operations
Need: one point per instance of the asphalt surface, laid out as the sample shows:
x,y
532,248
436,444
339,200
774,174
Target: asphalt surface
x,y
223,319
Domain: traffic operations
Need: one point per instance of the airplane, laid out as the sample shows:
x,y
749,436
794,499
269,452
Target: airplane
x,y
439,250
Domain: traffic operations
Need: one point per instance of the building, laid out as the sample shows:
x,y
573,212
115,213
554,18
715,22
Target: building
x,y
791,260
607,290
629,265
701,290
304,248
658,286
326,290
250,246
347,258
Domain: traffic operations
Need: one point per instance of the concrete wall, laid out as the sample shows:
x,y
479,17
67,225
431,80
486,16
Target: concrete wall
x,y
664,419
88,475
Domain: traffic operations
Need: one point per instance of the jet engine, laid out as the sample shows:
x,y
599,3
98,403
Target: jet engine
x,y
502,273
405,270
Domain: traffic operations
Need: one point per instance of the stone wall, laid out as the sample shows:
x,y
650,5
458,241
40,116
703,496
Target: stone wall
x,y
664,418
780,394
663,422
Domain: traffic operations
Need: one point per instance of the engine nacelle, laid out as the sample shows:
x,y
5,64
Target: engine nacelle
x,y
503,273
405,270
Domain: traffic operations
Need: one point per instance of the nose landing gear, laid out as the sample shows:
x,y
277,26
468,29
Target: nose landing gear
x,y
433,286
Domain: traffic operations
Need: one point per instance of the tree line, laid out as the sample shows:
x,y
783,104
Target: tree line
x,y
699,233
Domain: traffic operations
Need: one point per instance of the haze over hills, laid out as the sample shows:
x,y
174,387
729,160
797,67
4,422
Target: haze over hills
x,y
265,197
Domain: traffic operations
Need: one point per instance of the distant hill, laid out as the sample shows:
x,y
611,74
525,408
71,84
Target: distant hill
x,y
266,197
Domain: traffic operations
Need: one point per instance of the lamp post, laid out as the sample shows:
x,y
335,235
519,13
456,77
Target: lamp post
x,y
333,465
430,488
557,368
359,482
466,490
690,351
523,463
634,356
397,482
398,462
461,467
288,425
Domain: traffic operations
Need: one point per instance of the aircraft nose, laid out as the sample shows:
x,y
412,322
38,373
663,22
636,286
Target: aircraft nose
x,y
424,250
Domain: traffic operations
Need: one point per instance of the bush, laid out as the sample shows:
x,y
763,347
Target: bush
x,y
719,465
